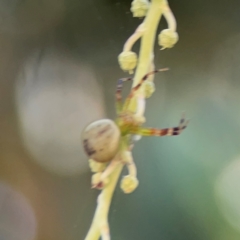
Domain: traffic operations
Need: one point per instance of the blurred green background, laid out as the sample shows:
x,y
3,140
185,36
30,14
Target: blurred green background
x,y
58,72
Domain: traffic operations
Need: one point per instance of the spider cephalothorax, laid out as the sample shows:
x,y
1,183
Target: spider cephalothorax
x,y
127,121
101,138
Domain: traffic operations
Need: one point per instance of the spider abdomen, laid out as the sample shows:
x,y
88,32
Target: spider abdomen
x,y
101,140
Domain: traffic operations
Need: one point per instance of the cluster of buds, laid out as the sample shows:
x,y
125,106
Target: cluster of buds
x,y
128,183
97,168
166,39
104,160
100,178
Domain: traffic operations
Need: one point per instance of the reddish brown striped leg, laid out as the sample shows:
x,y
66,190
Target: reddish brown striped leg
x,y
163,132
145,77
118,94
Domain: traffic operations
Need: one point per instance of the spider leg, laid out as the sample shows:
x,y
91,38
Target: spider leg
x,y
118,93
162,132
134,89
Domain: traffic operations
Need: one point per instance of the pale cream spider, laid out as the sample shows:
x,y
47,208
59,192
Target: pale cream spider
x,y
102,138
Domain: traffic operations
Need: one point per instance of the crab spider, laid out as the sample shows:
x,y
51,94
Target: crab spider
x,y
101,139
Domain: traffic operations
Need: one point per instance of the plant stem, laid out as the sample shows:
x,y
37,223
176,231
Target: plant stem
x,y
104,202
147,42
100,222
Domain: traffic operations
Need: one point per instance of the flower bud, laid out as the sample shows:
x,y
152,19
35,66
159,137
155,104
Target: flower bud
x,y
167,38
127,61
139,8
129,184
149,88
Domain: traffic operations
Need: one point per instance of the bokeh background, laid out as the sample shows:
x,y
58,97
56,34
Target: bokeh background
x,y
58,72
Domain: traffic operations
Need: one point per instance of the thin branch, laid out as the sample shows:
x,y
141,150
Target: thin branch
x,y
147,31
137,34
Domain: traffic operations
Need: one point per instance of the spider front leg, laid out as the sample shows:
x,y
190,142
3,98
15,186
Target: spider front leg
x,y
162,132
120,86
118,94
134,89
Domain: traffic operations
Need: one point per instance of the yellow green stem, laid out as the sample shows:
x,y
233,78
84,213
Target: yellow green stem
x,y
104,204
147,44
150,25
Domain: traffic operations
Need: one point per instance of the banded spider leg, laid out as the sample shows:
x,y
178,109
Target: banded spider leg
x,y
162,132
134,89
120,86
118,94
